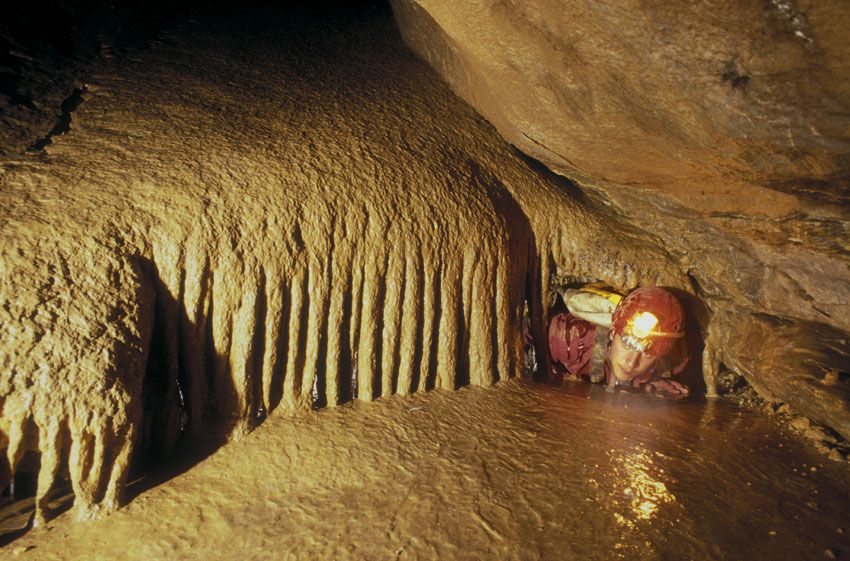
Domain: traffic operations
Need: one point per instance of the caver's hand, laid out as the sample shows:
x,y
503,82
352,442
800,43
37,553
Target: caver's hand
x,y
666,388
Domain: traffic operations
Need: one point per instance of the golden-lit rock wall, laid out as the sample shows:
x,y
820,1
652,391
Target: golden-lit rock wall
x,y
717,130
213,240
720,104
241,222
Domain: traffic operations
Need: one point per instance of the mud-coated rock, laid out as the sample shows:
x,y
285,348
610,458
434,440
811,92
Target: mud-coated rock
x,y
723,105
719,130
235,223
211,241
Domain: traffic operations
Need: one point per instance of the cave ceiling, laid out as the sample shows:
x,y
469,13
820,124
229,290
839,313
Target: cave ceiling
x,y
727,107
719,130
195,234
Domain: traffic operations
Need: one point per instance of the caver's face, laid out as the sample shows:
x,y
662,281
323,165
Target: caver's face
x,y
627,363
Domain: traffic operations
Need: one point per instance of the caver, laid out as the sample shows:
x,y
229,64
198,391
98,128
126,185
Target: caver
x,y
635,341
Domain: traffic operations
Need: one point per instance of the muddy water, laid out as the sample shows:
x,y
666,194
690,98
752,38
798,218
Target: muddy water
x,y
518,471
689,480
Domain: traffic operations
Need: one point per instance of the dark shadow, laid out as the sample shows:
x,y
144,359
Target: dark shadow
x,y
696,317
150,471
64,124
380,301
344,367
276,391
462,340
419,336
17,503
433,359
258,350
548,176
171,439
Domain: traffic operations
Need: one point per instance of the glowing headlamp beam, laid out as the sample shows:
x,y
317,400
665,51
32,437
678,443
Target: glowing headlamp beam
x,y
643,324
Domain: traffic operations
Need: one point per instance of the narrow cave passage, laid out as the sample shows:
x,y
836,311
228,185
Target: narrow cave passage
x,y
284,231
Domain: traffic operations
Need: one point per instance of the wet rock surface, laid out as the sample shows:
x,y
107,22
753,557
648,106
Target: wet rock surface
x,y
264,212
214,239
726,106
718,130
517,471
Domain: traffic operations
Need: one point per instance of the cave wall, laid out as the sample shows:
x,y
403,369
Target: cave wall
x,y
208,241
211,241
717,130
720,104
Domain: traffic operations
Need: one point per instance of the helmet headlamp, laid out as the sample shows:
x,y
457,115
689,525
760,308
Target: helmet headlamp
x,y
641,325
649,320
640,331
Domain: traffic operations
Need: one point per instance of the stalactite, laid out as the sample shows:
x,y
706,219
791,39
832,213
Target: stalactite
x,y
243,291
296,341
245,330
277,331
335,372
317,306
447,341
369,328
356,307
393,284
410,338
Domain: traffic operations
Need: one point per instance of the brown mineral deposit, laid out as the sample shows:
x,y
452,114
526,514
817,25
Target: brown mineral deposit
x,y
176,262
512,472
263,212
719,131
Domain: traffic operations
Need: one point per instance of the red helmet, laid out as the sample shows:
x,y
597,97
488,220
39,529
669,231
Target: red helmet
x,y
650,320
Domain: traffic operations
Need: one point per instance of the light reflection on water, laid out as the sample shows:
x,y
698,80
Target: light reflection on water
x,y
642,492
682,480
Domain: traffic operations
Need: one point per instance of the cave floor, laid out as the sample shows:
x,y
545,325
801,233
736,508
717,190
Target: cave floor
x,y
517,471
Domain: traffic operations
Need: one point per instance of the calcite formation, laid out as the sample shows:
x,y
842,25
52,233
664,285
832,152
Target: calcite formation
x,y
236,223
212,241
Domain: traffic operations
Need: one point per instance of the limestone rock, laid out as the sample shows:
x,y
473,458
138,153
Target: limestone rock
x,y
725,106
212,241
719,131
235,223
